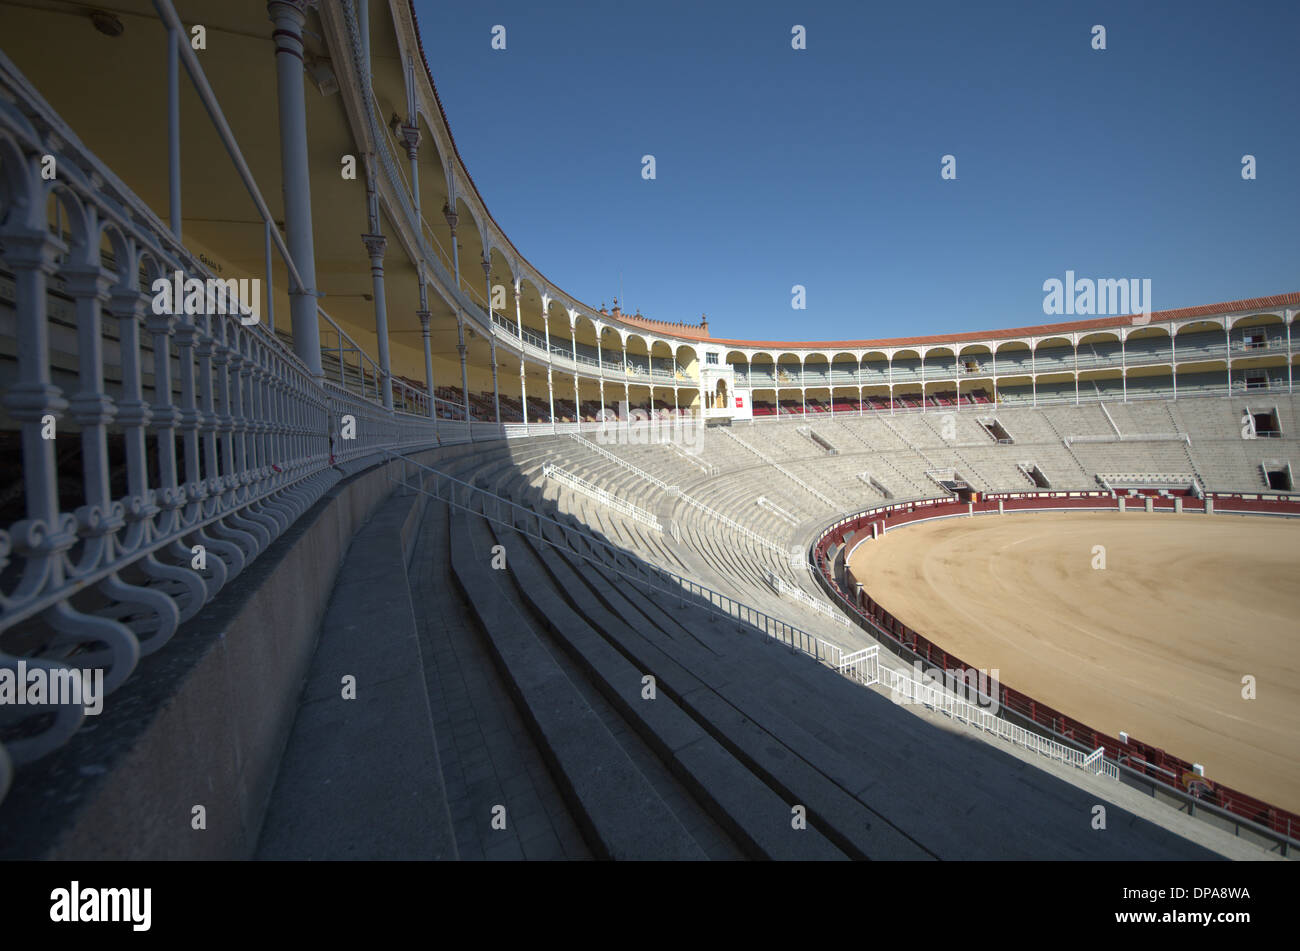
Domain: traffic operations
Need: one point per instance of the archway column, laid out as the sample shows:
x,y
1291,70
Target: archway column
x,y
1123,364
573,341
1076,370
289,17
496,389
453,219
424,317
1288,316
550,396
1033,373
376,244
411,136
464,365
519,319
523,390
1227,342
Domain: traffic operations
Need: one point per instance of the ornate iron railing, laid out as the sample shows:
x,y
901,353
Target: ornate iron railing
x,y
189,441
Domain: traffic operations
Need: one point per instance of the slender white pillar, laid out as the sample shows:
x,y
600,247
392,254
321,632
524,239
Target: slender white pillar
x,y
550,396
496,389
452,220
1227,342
411,136
270,296
519,323
1076,369
174,134
1288,316
375,247
424,316
464,365
523,392
1123,365
288,17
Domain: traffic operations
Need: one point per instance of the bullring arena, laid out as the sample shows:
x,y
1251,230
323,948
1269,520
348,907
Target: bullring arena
x,y
420,556
1155,643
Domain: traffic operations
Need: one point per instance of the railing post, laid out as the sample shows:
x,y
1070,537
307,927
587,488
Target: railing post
x,y
174,134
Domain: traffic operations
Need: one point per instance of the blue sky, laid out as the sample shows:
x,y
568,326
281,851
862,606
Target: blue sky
x,y
821,167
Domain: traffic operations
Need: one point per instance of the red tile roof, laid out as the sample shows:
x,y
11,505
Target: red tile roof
x,y
1038,330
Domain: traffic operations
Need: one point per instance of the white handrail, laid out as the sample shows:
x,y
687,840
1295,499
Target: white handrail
x,y
781,469
675,490
603,496
785,589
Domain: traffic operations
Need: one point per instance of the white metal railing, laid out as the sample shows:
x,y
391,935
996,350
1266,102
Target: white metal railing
x,y
861,665
1110,419
689,500
614,457
201,443
1134,437
735,526
904,688
765,503
787,590
1122,479
603,496
820,496
707,468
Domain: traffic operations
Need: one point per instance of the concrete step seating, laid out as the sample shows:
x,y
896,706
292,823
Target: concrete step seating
x,y
532,675
748,728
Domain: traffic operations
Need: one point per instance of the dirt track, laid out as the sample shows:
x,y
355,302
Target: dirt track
x,y
1155,644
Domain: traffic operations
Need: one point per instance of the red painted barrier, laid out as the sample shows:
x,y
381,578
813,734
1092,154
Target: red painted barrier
x,y
1150,760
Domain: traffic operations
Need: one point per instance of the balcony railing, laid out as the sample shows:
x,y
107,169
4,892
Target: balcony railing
x,y
201,436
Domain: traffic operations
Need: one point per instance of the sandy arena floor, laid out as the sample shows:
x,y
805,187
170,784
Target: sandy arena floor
x,y
1156,644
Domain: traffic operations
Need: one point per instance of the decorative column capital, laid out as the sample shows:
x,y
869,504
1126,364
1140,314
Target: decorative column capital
x,y
33,249
453,219
424,316
88,281
128,302
376,245
486,264
411,136
288,17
